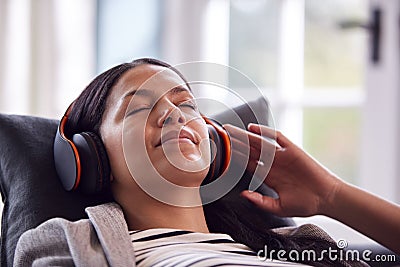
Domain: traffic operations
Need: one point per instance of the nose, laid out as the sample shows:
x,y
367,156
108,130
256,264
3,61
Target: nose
x,y
170,114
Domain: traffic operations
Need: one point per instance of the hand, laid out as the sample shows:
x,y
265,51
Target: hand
x,y
305,187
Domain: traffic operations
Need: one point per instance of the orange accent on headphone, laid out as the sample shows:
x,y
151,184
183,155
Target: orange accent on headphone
x,y
76,153
226,142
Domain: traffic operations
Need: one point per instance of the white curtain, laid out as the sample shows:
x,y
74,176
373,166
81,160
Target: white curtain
x,y
47,54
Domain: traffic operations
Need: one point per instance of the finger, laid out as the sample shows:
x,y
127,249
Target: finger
x,y
246,137
243,161
268,132
263,202
237,132
266,155
244,148
260,149
262,130
255,166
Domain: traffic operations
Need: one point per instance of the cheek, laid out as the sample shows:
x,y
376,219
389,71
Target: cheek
x,y
122,144
205,146
136,143
201,128
128,159
116,155
133,140
204,132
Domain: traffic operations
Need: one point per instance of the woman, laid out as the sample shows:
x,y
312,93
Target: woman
x,y
151,129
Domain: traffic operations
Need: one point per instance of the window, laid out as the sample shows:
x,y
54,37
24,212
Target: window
x,y
248,44
311,70
334,62
127,29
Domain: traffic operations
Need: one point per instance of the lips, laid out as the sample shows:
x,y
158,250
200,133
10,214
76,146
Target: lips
x,y
176,135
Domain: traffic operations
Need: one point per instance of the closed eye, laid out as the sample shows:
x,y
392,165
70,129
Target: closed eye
x,y
189,104
137,110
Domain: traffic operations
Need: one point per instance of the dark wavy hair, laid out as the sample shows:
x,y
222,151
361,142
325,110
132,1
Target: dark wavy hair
x,y
237,217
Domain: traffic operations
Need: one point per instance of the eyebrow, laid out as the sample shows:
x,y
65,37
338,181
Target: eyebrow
x,y
179,89
143,92
146,92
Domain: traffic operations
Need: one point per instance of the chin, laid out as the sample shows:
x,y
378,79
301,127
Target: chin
x,y
189,173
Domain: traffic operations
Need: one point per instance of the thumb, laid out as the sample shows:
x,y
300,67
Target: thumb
x,y
263,202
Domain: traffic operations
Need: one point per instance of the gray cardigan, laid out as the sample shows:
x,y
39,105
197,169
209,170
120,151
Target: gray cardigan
x,y
103,241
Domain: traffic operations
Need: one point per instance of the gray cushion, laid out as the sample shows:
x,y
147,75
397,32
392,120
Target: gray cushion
x,y
30,188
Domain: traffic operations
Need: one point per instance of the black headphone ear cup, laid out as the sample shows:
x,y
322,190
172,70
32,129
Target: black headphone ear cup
x,y
95,168
66,158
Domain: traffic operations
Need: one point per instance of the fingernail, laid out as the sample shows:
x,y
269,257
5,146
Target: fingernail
x,y
251,195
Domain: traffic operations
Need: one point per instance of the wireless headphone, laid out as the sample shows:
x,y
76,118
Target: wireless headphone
x,y
81,160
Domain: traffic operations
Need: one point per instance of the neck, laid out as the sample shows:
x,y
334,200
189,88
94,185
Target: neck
x,y
155,214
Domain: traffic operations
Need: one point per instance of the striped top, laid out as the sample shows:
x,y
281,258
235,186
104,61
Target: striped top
x,y
171,247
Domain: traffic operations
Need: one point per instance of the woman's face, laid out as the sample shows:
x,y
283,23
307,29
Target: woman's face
x,y
152,127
